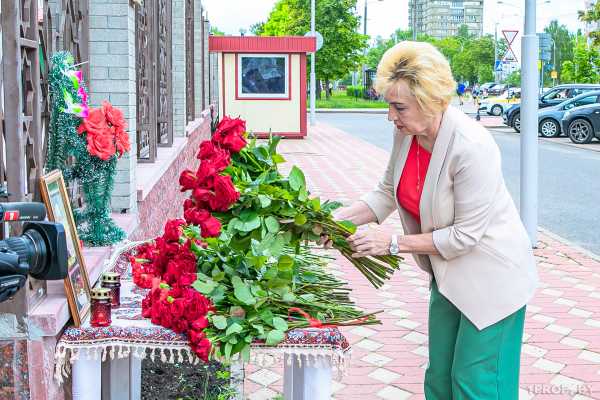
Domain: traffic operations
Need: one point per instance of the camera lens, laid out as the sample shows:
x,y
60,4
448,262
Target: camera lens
x,y
31,249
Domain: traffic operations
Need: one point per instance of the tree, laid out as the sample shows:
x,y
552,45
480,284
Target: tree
x,y
513,79
257,29
584,67
335,20
563,44
216,32
592,16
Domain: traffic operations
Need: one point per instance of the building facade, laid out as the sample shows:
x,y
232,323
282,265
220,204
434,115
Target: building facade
x,y
441,18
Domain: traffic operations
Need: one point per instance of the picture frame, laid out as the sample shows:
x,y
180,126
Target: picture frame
x,y
58,206
263,76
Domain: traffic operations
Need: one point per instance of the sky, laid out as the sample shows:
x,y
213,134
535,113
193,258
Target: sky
x,y
385,16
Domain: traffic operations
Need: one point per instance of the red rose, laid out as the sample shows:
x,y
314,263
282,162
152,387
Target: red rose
x,y
206,171
200,324
188,180
225,193
186,279
180,325
114,116
174,230
202,349
178,308
203,195
100,144
210,227
229,134
207,150
196,336
234,142
195,216
217,156
188,203
95,122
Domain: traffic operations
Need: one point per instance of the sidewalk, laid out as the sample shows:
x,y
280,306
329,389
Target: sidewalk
x,y
561,352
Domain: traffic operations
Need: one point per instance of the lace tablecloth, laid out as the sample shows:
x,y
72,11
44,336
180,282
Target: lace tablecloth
x,y
130,333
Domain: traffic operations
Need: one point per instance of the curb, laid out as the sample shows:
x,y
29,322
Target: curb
x,y
568,144
352,110
572,245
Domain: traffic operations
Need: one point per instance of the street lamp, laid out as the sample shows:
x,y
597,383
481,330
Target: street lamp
x,y
364,66
313,80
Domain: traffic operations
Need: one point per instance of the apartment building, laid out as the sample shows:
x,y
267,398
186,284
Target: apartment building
x,y
441,18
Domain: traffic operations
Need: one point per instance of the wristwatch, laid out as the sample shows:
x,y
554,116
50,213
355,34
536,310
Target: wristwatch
x,y
394,248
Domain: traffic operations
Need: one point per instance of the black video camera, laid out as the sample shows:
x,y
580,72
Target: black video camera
x,y
41,251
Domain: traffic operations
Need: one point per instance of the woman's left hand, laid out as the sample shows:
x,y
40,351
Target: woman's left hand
x,y
370,242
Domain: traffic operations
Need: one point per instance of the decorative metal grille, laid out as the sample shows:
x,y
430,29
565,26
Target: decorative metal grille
x,y
189,61
164,74
146,113
74,32
154,78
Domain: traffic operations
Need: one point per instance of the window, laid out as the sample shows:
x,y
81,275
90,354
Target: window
x,y
585,101
263,76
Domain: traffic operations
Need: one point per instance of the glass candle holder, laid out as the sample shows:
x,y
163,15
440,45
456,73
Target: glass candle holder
x,y
112,281
100,307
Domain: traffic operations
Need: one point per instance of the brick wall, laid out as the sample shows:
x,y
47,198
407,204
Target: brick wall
x,y
113,78
165,201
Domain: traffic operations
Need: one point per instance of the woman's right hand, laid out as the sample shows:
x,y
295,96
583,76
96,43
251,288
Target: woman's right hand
x,y
338,215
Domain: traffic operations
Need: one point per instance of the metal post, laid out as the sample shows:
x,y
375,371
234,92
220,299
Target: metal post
x,y
496,52
313,80
529,124
554,60
414,18
364,67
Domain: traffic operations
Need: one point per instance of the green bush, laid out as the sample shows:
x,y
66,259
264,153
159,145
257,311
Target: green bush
x,y
354,91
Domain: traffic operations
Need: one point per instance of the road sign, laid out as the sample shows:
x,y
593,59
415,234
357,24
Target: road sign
x,y
510,36
553,74
545,41
498,66
545,54
319,38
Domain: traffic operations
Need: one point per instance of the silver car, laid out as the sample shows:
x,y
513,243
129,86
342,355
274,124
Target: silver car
x,y
549,118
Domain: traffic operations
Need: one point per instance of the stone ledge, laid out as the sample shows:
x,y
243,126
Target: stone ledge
x,y
52,314
147,175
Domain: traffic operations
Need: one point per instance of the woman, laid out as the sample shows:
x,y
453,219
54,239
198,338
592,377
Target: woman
x,y
444,177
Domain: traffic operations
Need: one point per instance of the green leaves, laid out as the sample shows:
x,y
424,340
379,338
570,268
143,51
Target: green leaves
x,y
246,222
241,291
280,324
272,224
204,287
275,337
296,179
219,321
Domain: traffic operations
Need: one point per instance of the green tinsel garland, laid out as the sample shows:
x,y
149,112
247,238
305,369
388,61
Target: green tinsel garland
x,y
96,177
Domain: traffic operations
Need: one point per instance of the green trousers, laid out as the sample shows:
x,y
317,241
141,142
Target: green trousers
x,y
470,364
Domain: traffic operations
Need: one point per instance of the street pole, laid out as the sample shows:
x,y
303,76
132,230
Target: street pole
x,y
313,80
414,19
529,125
496,53
364,67
554,61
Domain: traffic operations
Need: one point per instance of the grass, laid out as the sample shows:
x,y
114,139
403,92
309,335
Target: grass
x,y
340,100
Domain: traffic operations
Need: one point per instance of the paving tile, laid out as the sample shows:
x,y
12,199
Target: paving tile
x,y
552,292
384,375
387,294
369,345
572,342
543,318
533,350
393,393
262,394
422,351
566,383
378,360
590,356
264,377
549,366
578,312
393,303
336,387
563,330
592,322
587,288
363,331
533,309
407,323
565,302
400,313
415,337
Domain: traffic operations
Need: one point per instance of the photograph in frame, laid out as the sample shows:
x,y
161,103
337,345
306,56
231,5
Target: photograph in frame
x,y
263,76
77,286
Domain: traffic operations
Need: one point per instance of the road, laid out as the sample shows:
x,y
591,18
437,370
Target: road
x,y
569,183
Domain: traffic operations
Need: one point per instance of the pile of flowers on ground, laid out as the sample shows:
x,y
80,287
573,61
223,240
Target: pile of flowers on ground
x,y
238,268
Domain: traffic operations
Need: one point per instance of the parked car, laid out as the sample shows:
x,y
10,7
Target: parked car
x,y
549,118
497,105
582,124
554,96
497,90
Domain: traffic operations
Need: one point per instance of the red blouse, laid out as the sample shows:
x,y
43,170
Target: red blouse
x,y
412,179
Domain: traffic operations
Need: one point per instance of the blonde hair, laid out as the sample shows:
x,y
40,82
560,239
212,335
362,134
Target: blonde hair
x,y
423,68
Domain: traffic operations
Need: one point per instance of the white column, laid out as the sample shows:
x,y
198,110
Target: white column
x,y
529,124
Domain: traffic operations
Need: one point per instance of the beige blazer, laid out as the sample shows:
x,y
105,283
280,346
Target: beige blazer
x,y
486,266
